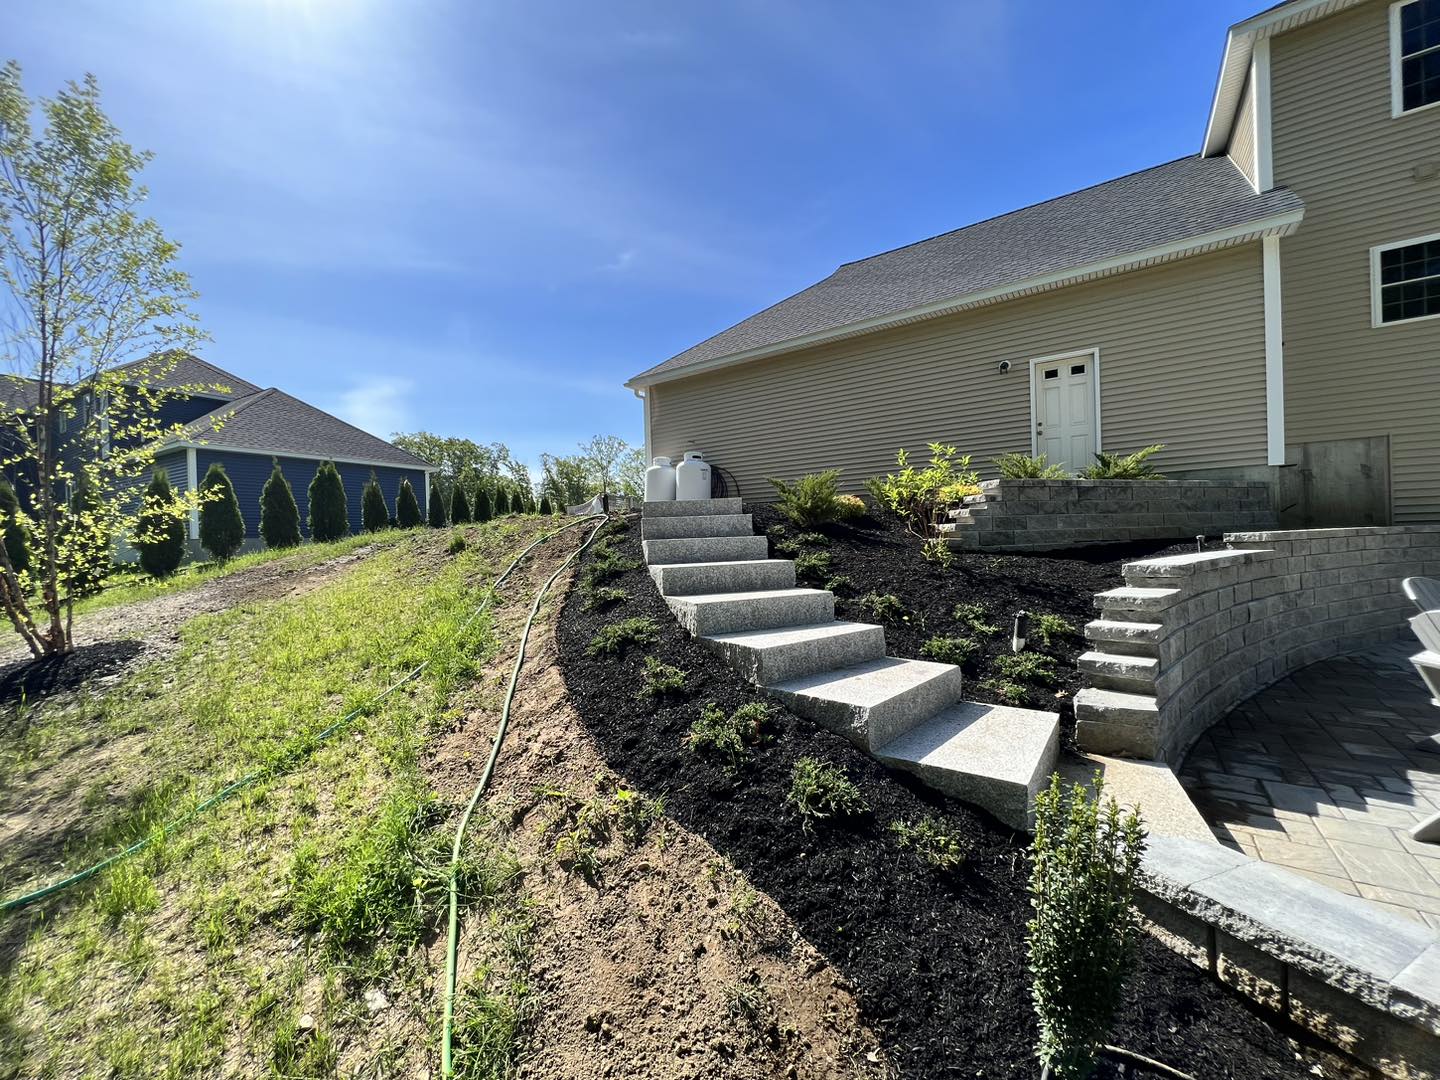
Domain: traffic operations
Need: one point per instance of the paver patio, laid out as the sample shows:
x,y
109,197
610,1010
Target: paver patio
x,y
1319,773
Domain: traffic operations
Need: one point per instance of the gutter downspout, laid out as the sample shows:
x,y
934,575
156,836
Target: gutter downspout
x,y
644,395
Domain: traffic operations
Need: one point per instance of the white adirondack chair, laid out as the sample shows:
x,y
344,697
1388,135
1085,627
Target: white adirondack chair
x,y
1424,591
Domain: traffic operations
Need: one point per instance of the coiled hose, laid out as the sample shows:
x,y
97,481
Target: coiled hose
x,y
15,903
447,1065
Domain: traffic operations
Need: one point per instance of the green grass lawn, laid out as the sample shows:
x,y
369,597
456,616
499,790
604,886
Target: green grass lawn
x,y
265,937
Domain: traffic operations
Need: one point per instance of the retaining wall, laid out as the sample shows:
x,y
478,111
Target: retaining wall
x,y
1043,515
1206,631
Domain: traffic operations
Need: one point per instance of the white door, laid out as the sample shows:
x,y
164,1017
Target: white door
x,y
1064,395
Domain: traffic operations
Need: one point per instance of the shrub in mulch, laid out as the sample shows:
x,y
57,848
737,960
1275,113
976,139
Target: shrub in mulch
x,y
936,957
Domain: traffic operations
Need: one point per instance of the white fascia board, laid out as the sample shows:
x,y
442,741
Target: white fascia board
x,y
1274,353
266,452
1276,225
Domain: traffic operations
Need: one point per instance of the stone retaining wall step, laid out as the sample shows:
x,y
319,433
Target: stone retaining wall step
x,y
791,652
691,508
1118,671
746,575
710,525
874,702
708,614
706,549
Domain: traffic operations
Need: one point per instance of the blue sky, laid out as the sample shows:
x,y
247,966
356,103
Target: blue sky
x,y
480,218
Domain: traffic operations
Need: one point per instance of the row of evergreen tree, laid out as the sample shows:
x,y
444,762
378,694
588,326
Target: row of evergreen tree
x,y
461,509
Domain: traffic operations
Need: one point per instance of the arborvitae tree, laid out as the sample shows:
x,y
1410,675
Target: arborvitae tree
x,y
459,507
545,507
16,544
438,518
279,516
159,531
374,514
502,502
483,510
329,516
407,507
222,529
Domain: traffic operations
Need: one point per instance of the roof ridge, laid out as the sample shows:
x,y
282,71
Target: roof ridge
x,y
345,423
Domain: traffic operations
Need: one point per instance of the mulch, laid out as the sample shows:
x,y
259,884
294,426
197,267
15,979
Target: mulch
x,y
937,963
32,680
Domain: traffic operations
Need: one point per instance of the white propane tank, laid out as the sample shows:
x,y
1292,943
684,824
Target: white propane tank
x,y
660,481
692,477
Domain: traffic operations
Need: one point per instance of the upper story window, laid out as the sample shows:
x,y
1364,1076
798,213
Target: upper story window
x,y
1415,55
1405,280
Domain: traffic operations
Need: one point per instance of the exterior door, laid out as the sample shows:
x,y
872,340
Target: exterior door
x,y
1064,397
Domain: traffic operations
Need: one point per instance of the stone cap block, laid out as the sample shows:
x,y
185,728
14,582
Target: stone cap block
x,y
1192,562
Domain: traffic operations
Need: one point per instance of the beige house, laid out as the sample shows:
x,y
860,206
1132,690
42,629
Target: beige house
x,y
1269,308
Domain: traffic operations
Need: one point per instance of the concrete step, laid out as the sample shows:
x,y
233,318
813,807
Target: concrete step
x,y
708,614
994,756
1116,671
692,527
748,575
1143,600
690,508
792,652
874,702
1128,638
1114,722
706,549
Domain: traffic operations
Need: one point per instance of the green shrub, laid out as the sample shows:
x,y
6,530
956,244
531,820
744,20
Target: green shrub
x,y
160,529
407,507
950,650
222,529
279,516
938,846
1049,627
917,495
1082,940
545,507
374,514
814,499
483,510
660,680
614,639
788,549
1012,692
329,516
438,518
459,506
975,616
17,544
1027,667
501,502
89,547
812,567
1134,466
936,550
813,539
886,607
605,564
838,584
818,790
1025,467
603,596
731,736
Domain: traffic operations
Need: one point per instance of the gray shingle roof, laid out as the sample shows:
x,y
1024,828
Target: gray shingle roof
x,y
192,371
271,421
1165,204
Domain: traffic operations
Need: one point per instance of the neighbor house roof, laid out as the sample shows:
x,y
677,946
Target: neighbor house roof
x,y
192,371
1184,207
272,422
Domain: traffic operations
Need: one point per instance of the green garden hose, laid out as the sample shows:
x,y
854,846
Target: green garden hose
x,y
447,1067
15,903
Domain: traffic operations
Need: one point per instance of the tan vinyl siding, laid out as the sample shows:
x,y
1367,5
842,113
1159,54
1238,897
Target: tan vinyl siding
x,y
1337,146
1242,138
1182,361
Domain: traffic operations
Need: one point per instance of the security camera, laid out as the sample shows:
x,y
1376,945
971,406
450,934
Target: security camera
x,y
1004,366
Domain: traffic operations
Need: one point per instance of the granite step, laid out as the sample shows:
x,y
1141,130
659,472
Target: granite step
x,y
874,702
1115,722
747,575
1117,671
705,549
694,527
1128,638
691,508
993,756
708,614
1133,599
792,652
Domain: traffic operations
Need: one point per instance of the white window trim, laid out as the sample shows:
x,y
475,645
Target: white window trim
x,y
1397,96
1093,355
1375,252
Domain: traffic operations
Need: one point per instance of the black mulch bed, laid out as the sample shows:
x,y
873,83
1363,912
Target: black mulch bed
x,y
882,557
31,680
938,964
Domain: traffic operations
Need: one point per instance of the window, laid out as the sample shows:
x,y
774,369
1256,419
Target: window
x,y
1415,55
1077,369
1405,280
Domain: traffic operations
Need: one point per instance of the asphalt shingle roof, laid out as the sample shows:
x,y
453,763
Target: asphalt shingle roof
x,y
272,421
1147,209
192,371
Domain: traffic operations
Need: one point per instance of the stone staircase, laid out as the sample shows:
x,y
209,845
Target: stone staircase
x,y
722,587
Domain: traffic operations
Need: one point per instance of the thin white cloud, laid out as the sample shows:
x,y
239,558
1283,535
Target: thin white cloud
x,y
379,405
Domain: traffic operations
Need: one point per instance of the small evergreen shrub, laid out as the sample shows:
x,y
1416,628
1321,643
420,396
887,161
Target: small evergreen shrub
x,y
329,516
818,790
1085,859
483,510
614,639
936,843
502,502
160,529
438,518
812,566
374,514
917,495
1134,466
731,736
603,596
17,544
1026,467
976,617
222,529
545,507
886,607
459,506
1049,627
407,507
850,506
660,680
279,516
950,650
605,564
813,500
1012,692
1027,667
813,539
839,584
